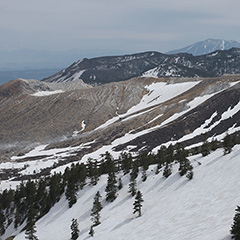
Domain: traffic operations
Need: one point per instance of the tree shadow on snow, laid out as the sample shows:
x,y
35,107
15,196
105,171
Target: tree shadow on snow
x,y
126,221
120,203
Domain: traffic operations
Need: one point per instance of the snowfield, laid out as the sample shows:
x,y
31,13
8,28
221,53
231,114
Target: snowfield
x,y
173,208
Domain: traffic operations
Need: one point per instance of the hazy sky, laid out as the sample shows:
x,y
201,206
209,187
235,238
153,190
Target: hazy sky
x,y
122,25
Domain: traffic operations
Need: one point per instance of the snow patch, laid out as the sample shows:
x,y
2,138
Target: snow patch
x,y
46,93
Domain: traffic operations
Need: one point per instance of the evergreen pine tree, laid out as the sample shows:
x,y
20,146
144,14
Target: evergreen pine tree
x,y
82,173
108,164
132,187
214,144
135,170
160,158
30,231
144,175
93,171
167,170
137,205
158,169
97,207
111,188
228,143
170,154
71,193
75,229
120,184
184,167
235,230
126,162
189,174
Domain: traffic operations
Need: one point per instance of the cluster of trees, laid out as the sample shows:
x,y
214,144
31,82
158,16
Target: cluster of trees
x,y
33,199
229,141
95,214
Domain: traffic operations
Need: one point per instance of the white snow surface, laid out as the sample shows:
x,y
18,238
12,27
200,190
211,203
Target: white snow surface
x,y
173,208
78,75
46,93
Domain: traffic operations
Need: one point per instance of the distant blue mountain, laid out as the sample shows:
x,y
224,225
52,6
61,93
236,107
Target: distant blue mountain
x,y
207,46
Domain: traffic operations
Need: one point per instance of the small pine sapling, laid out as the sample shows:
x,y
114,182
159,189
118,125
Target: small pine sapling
x,y
30,231
137,205
120,184
97,207
75,229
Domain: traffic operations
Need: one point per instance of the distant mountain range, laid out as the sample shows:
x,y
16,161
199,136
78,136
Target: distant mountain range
x,y
30,64
150,64
206,47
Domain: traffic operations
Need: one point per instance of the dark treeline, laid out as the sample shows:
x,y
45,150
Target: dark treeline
x,y
32,199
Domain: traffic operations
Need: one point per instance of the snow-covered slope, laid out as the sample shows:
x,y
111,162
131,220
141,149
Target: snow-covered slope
x,y
163,111
173,208
206,47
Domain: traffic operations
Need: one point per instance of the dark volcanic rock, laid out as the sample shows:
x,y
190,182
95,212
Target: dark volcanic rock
x,y
113,69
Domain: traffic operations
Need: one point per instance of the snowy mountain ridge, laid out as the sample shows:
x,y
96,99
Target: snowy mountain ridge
x,y
206,47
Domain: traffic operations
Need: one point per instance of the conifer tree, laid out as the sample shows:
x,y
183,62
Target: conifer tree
x,y
97,207
205,148
108,164
120,184
126,162
189,174
144,175
161,156
135,170
93,171
167,170
71,193
214,144
235,230
30,231
111,188
184,167
133,187
137,205
82,173
158,169
75,229
228,143
170,154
